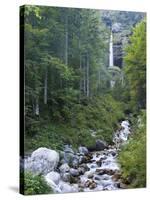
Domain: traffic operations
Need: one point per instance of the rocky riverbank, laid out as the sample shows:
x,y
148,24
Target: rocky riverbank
x,y
92,169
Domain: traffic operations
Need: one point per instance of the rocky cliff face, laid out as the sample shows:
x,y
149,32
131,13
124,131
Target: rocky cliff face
x,y
120,23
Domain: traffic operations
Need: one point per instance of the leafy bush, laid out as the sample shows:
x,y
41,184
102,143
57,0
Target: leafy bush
x,y
34,184
99,114
133,156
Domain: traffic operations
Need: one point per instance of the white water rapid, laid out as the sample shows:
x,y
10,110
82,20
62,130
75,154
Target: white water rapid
x,y
104,170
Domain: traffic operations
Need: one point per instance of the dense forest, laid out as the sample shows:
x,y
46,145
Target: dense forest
x,y
85,72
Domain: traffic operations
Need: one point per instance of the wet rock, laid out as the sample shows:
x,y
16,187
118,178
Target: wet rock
x,y
123,186
81,170
105,171
74,179
53,176
89,174
93,185
66,177
90,184
75,162
100,145
92,166
83,150
68,154
74,172
64,168
42,161
97,178
116,176
99,162
100,171
67,188
113,153
84,165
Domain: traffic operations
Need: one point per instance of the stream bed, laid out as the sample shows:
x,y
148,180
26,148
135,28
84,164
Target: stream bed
x,y
89,171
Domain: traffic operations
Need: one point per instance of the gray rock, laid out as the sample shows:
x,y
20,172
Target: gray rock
x,y
116,27
83,150
42,161
66,177
74,172
81,170
75,161
53,176
100,145
68,149
67,188
64,168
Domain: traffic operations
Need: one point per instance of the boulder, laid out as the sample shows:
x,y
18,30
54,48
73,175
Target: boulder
x,y
83,150
53,176
54,187
74,172
42,161
91,184
68,154
100,145
66,177
67,188
123,186
89,174
81,170
64,168
75,162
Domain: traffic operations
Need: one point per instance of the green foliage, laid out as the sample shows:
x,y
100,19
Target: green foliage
x,y
133,156
34,184
135,66
76,123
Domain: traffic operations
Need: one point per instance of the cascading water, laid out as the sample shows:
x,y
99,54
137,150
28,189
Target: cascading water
x,y
111,58
104,168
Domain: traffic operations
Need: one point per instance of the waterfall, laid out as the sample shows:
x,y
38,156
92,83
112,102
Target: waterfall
x,y
111,61
111,58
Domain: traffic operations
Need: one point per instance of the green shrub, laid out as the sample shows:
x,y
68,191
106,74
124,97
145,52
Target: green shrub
x,y
100,114
34,184
133,157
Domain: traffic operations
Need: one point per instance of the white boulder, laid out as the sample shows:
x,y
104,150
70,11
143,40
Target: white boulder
x,y
42,161
64,168
67,188
53,176
83,150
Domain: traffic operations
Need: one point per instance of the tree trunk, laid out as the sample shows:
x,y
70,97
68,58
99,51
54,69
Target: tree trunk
x,y
45,86
84,75
66,40
87,76
37,107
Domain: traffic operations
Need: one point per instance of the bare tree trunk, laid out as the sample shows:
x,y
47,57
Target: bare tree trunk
x,y
84,76
80,73
66,40
87,76
37,107
45,86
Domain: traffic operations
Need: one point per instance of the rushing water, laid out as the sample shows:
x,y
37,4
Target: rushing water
x,y
103,166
